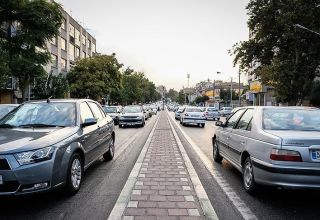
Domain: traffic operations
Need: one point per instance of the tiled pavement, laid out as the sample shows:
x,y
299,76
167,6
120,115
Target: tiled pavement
x,y
163,189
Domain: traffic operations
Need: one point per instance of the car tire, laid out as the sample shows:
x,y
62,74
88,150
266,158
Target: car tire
x,y
75,171
216,154
218,119
120,126
248,177
110,153
203,125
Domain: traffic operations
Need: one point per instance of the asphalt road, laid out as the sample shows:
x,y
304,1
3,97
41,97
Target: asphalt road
x,y
270,203
102,184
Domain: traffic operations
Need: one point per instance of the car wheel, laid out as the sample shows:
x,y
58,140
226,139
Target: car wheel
x,y
110,154
216,154
120,126
218,119
143,124
248,178
203,125
74,176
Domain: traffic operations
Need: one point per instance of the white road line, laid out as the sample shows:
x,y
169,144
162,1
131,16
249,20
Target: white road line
x,y
204,201
124,196
241,207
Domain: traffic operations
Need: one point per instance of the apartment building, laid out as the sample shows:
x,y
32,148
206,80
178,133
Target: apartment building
x,y
73,43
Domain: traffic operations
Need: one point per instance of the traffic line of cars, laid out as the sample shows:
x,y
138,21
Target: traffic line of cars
x,y
49,144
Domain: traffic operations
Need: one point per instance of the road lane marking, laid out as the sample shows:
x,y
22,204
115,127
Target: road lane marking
x,y
204,201
240,206
124,196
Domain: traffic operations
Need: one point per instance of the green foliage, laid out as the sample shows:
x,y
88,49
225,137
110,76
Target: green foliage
x,y
225,94
201,99
315,94
51,86
173,95
181,97
284,56
26,26
95,77
136,88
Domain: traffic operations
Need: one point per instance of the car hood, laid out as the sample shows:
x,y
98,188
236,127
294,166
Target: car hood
x,y
298,138
24,139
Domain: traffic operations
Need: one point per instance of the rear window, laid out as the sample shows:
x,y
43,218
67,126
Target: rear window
x,y
291,119
212,110
193,110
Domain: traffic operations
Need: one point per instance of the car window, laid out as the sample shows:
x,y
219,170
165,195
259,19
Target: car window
x,y
85,111
234,118
96,110
245,120
102,112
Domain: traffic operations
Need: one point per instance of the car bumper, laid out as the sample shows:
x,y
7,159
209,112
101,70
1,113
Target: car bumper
x,y
130,123
212,116
286,177
194,121
22,179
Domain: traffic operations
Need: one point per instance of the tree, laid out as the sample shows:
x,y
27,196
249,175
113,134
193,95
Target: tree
x,y
283,55
315,94
95,77
26,26
201,99
181,97
173,95
51,86
225,94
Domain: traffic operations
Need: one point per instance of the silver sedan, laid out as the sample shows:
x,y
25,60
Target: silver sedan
x,y
277,146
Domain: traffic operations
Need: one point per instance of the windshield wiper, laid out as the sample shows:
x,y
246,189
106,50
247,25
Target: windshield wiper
x,y
6,126
39,126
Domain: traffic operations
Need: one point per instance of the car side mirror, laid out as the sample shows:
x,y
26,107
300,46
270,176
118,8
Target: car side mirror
x,y
89,121
219,124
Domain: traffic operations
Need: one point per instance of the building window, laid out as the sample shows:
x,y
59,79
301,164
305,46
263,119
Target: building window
x,y
71,31
93,48
63,64
89,44
71,51
63,25
54,41
77,52
83,54
83,39
54,61
63,44
77,38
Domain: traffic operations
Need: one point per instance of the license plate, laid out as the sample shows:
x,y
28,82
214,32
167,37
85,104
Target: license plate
x,y
315,155
1,180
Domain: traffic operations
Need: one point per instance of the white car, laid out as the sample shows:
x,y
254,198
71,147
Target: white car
x,y
226,111
193,115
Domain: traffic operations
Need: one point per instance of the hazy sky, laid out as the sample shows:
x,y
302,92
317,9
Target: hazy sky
x,y
167,39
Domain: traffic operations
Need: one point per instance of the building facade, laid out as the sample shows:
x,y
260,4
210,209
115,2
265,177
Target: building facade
x,y
73,43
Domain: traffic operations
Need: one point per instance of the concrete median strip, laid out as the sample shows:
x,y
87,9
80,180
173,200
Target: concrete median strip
x,y
201,193
125,194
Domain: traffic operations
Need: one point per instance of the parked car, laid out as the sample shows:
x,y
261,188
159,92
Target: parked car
x,y
6,108
193,115
178,112
132,115
276,146
212,113
154,109
113,112
146,113
225,111
49,144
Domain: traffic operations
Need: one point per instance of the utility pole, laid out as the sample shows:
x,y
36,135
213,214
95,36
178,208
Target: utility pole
x,y
231,94
239,91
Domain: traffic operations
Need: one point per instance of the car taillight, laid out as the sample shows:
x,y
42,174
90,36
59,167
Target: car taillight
x,y
285,155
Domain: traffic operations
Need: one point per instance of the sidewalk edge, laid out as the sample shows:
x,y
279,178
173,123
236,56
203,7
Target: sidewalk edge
x,y
124,197
204,201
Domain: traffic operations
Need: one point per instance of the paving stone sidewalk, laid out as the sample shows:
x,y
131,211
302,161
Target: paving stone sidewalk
x,y
163,189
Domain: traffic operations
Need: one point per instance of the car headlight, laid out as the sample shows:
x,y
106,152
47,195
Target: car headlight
x,y
29,157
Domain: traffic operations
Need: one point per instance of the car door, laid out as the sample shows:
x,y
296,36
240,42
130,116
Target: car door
x,y
89,133
225,134
239,136
103,131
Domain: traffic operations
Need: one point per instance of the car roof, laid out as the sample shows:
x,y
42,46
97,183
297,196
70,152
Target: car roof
x,y
61,100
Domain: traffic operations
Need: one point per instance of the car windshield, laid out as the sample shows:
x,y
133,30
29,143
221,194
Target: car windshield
x,y
193,110
5,109
291,119
131,109
41,114
212,110
110,109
